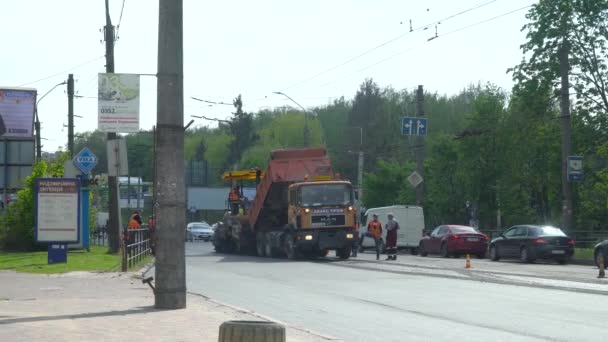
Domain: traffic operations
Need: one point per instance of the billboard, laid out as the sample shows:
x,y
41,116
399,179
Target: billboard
x,y
17,113
57,210
118,103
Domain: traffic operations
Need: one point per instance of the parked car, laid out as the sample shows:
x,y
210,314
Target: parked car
x,y
411,225
454,240
531,242
601,250
199,231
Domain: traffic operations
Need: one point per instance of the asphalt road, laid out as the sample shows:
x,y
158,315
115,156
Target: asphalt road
x,y
415,299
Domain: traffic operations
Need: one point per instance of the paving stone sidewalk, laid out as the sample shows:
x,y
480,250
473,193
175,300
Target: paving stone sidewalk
x,y
107,307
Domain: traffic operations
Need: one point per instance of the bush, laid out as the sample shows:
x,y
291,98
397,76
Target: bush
x,y
17,224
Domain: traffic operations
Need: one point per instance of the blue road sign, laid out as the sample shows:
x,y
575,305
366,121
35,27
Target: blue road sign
x,y
421,126
85,160
575,168
406,126
413,126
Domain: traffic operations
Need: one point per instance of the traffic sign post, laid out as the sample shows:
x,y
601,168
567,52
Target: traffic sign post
x,y
416,126
575,168
85,161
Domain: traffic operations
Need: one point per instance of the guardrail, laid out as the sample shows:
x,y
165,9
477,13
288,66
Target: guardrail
x,y
137,244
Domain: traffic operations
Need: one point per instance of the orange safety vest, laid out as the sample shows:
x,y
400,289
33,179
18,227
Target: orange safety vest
x,y
133,224
375,228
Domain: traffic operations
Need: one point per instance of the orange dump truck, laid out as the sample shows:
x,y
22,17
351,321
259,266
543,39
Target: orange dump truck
x,y
300,210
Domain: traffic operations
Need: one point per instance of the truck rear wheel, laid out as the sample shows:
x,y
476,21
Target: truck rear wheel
x,y
269,249
260,244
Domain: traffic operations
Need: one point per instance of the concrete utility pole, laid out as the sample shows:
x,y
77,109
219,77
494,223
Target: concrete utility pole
x,y
564,68
360,164
71,114
420,147
169,160
114,205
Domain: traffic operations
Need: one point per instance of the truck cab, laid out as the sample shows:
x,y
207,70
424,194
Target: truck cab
x,y
322,215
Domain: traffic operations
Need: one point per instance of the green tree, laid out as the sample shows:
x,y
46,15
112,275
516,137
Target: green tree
x,y
19,219
387,185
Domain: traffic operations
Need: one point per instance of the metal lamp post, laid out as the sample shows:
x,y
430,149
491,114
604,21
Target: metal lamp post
x,y
37,122
306,133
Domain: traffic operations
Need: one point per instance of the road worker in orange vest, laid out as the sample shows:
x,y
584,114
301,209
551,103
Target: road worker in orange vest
x,y
234,198
374,230
135,221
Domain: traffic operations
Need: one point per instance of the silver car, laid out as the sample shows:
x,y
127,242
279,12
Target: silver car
x,y
199,231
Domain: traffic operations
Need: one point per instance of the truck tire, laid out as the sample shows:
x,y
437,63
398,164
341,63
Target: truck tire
x,y
343,253
251,331
271,252
260,244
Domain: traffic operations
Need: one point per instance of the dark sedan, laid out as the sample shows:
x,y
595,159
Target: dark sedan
x,y
454,240
601,250
530,242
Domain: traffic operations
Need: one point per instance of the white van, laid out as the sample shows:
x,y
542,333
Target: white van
x,y
411,224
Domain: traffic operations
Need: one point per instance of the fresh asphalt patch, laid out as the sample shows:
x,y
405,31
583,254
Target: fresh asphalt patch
x,y
553,283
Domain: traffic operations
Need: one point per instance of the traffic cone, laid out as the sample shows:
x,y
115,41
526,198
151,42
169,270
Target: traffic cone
x,y
601,266
468,263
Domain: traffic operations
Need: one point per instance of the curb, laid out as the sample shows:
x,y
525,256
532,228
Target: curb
x,y
266,318
583,262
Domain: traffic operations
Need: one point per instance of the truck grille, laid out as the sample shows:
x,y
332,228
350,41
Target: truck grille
x,y
328,220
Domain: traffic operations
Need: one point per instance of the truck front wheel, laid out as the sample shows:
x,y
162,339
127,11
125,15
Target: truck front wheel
x,y
343,253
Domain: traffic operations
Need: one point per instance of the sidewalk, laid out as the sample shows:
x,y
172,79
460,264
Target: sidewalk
x,y
106,307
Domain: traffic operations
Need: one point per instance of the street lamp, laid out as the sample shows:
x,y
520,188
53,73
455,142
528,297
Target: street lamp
x,y
306,139
37,122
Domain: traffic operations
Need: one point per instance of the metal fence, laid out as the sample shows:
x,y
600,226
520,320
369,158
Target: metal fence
x,y
137,245
99,237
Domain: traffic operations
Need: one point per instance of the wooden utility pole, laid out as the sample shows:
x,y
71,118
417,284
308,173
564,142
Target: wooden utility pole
x,y
114,204
420,147
169,160
71,115
566,126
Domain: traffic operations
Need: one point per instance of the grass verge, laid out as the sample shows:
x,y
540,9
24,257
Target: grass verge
x,y
36,262
583,253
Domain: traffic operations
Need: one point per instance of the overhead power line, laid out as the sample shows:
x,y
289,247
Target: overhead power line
x,y
482,4
211,102
120,18
62,72
416,46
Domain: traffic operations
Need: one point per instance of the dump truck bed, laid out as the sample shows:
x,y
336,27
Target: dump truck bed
x,y
269,208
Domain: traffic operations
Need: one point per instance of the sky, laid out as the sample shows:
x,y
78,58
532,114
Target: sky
x,y
315,51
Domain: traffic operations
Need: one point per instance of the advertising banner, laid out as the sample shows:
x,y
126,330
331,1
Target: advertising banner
x,y
17,113
57,210
118,103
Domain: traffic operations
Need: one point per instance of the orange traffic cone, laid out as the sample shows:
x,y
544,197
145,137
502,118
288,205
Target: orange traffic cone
x,y
602,267
468,263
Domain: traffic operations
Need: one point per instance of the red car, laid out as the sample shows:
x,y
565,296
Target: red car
x,y
454,240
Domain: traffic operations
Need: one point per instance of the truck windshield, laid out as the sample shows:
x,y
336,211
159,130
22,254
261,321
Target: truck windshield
x,y
325,194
